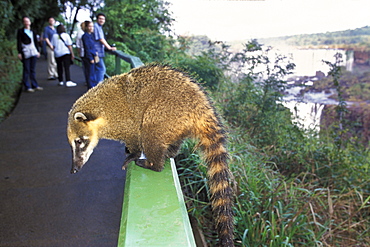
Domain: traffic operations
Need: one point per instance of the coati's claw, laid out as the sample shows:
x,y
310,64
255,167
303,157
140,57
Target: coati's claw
x,y
129,158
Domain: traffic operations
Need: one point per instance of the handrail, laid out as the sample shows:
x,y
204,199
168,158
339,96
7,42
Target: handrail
x,y
154,212
132,60
135,62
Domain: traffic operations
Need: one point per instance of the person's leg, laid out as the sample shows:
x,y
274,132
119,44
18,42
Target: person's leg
x,y
67,64
52,65
59,61
93,81
87,70
33,61
86,74
100,70
26,73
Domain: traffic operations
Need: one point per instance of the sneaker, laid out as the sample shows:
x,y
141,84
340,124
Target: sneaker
x,y
71,84
52,78
60,83
39,88
30,90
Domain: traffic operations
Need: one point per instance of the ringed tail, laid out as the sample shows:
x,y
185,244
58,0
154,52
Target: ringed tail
x,y
212,145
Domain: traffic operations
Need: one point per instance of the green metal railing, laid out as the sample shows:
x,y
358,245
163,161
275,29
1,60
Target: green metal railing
x,y
153,211
132,60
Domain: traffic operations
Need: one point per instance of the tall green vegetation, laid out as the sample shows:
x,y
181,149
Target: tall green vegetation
x,y
140,28
10,77
292,188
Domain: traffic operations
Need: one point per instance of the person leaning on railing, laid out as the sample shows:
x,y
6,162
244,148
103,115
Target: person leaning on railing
x,y
100,43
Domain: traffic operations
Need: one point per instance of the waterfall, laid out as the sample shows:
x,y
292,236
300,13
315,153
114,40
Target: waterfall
x,y
307,108
306,115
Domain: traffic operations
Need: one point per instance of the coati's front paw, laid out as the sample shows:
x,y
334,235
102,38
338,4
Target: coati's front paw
x,y
129,158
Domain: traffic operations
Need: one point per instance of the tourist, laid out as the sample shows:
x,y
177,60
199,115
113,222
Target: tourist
x,y
28,52
62,46
49,31
100,43
90,54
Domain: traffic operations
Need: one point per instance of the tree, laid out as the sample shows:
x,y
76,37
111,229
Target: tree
x,y
70,10
143,26
38,11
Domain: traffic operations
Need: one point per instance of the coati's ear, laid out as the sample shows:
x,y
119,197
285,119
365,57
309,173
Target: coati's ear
x,y
79,116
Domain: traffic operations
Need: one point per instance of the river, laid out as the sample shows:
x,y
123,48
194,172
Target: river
x,y
307,108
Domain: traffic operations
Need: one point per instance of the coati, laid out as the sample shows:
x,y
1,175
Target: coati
x,y
152,109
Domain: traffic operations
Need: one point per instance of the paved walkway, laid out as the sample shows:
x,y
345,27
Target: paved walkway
x,y
41,203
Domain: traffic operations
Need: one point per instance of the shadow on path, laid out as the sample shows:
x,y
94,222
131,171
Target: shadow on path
x,y
41,203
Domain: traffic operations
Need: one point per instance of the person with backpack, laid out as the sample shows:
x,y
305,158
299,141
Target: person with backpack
x,y
62,47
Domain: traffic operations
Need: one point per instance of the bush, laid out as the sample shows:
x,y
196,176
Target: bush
x,y
10,77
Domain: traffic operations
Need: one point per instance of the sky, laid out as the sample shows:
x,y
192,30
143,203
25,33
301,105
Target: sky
x,y
228,20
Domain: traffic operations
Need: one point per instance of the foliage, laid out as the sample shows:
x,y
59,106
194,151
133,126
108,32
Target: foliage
x,y
293,188
10,75
141,26
202,67
335,72
70,9
38,11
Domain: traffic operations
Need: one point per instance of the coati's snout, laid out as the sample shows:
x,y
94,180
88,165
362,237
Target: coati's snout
x,y
83,138
81,151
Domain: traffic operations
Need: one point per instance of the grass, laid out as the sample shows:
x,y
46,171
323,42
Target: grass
x,y
292,187
273,210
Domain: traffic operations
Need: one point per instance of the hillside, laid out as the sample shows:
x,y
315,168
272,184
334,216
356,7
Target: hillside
x,y
359,37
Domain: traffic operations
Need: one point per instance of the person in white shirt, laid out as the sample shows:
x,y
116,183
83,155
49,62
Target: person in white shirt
x,y
62,47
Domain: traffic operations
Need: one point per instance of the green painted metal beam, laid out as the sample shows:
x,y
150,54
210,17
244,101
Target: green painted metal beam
x,y
154,212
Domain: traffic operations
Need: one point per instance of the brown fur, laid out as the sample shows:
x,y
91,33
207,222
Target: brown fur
x,y
152,109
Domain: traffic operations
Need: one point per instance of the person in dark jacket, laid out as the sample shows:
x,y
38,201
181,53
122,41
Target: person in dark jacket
x,y
90,53
28,52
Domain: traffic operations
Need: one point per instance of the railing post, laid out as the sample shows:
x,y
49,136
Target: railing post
x,y
117,69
